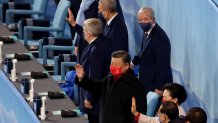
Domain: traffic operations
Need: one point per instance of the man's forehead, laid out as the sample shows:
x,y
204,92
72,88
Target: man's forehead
x,y
166,93
144,14
116,60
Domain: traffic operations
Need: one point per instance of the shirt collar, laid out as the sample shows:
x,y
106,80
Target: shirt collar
x,y
150,29
92,40
109,21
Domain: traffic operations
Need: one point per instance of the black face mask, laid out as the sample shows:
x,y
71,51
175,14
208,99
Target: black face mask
x,y
145,26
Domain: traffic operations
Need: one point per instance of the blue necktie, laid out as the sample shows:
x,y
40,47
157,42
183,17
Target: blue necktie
x,y
144,41
106,28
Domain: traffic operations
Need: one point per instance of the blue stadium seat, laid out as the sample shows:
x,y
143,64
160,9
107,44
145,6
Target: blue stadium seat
x,y
56,27
37,11
152,99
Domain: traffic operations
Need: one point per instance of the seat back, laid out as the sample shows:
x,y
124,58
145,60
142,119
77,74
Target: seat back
x,y
152,99
63,58
39,5
60,17
3,1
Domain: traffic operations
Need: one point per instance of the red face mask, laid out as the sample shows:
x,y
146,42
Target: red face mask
x,y
163,100
116,70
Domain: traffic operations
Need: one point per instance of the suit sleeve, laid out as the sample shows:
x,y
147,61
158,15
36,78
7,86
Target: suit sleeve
x,y
94,86
135,60
141,100
120,36
162,55
78,29
95,69
147,119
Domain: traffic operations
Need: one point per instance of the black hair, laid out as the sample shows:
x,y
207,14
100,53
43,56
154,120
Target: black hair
x,y
170,109
122,54
176,91
196,115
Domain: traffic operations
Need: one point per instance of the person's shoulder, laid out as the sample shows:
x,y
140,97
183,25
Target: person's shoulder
x,y
133,79
158,34
158,30
101,42
137,83
101,38
118,20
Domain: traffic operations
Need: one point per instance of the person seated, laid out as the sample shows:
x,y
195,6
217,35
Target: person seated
x,y
168,113
196,115
176,93
172,92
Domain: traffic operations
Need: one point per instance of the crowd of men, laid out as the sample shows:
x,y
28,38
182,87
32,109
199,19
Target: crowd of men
x,y
110,91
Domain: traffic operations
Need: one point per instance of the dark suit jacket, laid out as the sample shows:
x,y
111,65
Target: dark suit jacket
x,y
95,58
96,61
154,60
117,34
92,12
116,96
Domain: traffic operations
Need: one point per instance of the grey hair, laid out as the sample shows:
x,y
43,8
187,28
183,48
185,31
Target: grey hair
x,y
147,9
94,26
110,5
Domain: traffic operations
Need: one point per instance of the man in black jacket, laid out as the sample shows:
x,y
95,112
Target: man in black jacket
x,y
115,90
95,59
88,9
115,28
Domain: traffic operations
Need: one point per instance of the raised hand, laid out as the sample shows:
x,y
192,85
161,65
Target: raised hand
x,y
79,71
133,108
76,50
70,18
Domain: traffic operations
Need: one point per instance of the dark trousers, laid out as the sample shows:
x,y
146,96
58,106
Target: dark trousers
x,y
93,118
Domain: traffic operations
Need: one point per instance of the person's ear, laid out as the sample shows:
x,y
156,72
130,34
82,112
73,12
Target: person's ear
x,y
89,34
127,66
165,117
107,13
175,100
